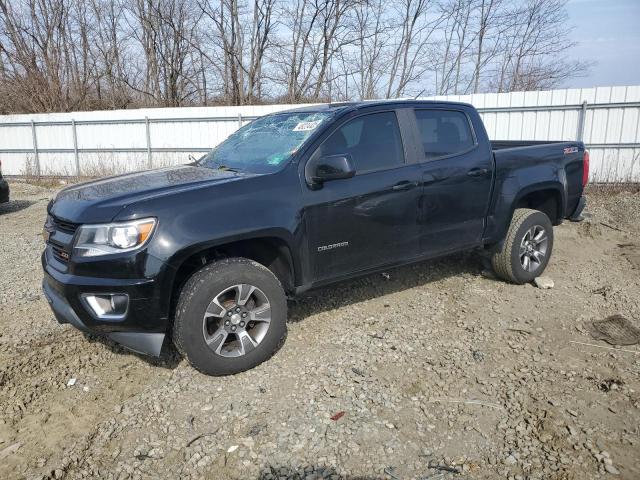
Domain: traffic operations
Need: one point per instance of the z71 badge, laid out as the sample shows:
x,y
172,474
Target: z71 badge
x,y
569,150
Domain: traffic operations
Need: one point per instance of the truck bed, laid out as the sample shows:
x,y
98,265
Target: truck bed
x,y
538,161
503,144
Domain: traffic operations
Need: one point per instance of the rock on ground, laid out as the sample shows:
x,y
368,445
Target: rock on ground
x,y
544,283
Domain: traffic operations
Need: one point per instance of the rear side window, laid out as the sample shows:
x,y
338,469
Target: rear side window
x,y
373,141
444,132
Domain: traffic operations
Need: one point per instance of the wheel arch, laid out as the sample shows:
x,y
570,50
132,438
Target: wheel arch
x,y
272,251
547,197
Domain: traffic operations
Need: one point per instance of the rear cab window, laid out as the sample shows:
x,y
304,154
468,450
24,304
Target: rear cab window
x,y
372,140
444,132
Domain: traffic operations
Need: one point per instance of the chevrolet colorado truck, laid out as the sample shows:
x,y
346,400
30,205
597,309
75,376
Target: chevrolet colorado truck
x,y
206,254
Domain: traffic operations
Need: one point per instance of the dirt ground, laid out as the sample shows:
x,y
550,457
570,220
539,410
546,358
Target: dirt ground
x,y
433,365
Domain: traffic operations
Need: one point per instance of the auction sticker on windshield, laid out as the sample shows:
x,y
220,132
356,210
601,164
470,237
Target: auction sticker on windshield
x,y
306,126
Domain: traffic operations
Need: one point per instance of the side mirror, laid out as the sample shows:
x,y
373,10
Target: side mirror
x,y
332,167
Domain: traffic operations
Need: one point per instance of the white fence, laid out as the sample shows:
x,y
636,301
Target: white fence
x,y
607,119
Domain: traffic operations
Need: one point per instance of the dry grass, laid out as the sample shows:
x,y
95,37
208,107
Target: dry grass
x,y
613,188
103,165
618,175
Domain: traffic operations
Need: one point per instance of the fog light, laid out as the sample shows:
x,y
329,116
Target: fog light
x,y
108,306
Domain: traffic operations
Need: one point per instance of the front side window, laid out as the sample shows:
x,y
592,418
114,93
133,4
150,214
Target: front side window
x,y
444,132
373,141
266,144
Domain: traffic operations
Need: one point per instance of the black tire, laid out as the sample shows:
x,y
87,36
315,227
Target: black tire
x,y
507,263
195,298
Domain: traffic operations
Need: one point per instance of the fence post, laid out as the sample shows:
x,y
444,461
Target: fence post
x,y
239,120
581,121
75,148
149,157
35,148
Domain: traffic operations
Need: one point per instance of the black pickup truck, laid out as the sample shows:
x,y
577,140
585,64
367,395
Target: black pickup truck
x,y
207,253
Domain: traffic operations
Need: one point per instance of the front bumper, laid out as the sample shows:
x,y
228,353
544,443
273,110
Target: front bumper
x,y
4,191
141,330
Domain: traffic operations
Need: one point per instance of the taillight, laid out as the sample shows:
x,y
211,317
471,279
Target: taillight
x,y
585,168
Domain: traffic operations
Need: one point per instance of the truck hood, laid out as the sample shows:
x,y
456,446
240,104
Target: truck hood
x,y
101,200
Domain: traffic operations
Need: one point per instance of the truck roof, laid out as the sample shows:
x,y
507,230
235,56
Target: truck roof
x,y
323,107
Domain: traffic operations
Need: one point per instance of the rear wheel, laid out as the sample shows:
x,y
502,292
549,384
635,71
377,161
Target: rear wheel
x,y
231,316
527,247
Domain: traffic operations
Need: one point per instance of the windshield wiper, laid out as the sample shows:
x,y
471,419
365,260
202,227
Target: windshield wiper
x,y
227,168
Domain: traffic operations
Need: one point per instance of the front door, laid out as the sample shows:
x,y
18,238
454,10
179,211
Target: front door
x,y
371,219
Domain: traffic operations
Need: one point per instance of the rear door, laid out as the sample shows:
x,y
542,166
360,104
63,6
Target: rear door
x,y
456,180
371,219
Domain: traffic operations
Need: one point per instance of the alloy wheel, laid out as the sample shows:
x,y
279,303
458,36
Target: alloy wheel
x,y
236,320
533,248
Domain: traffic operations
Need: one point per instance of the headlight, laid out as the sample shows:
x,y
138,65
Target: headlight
x,y
94,240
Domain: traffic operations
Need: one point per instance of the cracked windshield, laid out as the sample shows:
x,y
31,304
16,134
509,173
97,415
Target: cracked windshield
x,y
266,144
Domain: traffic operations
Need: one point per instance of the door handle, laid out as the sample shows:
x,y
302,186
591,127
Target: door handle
x,y
477,172
406,185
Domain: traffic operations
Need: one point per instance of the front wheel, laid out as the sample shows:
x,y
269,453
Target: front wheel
x,y
527,247
231,316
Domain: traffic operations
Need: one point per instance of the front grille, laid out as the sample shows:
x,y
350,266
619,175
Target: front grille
x,y
60,239
60,254
64,226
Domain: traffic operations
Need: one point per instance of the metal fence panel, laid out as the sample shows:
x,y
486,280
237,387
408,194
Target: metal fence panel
x,y
104,142
608,123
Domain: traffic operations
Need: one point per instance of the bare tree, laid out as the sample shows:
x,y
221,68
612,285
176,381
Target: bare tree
x,y
299,62
371,42
409,56
456,44
489,23
89,54
531,53
165,31
261,40
112,74
241,42
317,31
45,54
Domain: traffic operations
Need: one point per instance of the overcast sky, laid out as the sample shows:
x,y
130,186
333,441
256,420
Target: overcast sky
x,y
607,32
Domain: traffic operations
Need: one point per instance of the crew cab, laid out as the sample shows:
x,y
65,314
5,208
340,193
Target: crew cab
x,y
206,254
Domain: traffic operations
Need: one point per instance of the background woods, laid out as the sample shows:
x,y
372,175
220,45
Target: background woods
x,y
64,55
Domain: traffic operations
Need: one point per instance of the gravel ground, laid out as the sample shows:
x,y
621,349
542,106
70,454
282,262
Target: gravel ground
x,y
391,376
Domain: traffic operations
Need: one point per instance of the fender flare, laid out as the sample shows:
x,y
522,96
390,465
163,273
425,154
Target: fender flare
x,y
508,204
